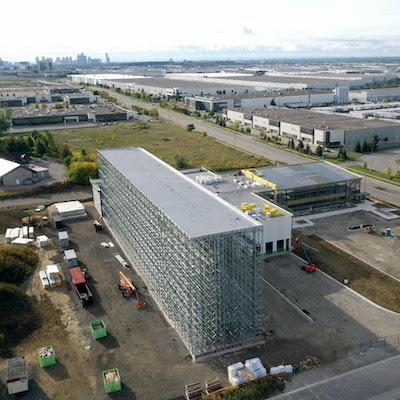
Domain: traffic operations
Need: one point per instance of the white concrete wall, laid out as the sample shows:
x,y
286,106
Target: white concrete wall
x,y
290,129
257,102
277,228
260,123
235,116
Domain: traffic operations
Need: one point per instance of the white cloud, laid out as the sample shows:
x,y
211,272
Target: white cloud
x,y
136,28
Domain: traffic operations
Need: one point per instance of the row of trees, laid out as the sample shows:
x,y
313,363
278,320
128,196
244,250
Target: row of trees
x,y
368,146
81,166
36,144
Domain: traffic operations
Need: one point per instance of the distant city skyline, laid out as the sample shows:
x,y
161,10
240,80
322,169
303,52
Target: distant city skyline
x,y
212,30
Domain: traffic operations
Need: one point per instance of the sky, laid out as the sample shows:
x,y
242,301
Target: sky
x,y
132,30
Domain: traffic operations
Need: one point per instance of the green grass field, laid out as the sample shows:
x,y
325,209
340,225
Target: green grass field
x,y
164,139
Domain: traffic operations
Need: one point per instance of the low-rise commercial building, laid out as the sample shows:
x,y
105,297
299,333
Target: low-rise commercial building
x,y
375,95
330,130
93,113
79,98
14,174
306,188
297,98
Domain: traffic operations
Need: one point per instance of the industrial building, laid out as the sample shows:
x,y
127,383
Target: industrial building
x,y
278,80
306,188
14,174
198,254
177,88
330,130
243,193
92,113
298,98
79,98
375,95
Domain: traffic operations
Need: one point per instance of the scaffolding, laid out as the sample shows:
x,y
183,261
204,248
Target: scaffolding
x,y
208,287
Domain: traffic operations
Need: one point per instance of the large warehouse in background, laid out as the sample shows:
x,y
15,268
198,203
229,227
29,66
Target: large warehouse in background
x,y
330,130
198,254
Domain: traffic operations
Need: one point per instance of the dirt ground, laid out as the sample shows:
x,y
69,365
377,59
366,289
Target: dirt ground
x,y
380,251
340,254
152,360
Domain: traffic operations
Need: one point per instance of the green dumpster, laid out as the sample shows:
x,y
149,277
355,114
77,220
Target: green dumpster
x,y
111,380
47,356
98,329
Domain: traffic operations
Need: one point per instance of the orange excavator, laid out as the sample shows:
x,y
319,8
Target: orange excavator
x,y
310,267
126,287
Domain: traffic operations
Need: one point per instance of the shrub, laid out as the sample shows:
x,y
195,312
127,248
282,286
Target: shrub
x,y
257,390
16,263
190,127
319,151
153,112
181,161
81,171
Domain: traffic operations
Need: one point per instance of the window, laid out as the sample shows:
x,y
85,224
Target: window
x,y
279,245
268,247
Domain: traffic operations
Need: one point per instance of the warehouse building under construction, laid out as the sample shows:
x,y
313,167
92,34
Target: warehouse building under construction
x,y
198,254
305,188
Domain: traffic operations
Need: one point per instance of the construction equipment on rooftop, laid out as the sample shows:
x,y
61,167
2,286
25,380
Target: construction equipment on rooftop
x,y
126,287
309,267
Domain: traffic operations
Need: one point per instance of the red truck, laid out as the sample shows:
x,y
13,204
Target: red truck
x,y
78,280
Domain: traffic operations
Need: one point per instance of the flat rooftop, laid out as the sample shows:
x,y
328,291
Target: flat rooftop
x,y
193,208
282,79
315,120
23,112
379,90
177,83
261,95
305,175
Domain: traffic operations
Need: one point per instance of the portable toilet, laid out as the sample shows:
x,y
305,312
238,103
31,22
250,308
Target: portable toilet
x,y
71,258
388,232
64,239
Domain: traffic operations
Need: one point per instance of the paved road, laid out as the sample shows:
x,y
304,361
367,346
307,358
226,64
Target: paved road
x,y
378,381
377,189
47,198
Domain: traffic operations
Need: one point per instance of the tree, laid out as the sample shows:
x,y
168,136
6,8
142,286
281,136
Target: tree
x,y
30,141
389,172
190,127
248,130
5,120
81,171
365,147
300,146
342,154
319,151
373,143
64,151
358,147
40,147
181,161
153,113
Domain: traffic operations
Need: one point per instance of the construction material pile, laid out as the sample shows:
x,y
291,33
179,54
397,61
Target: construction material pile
x,y
68,210
309,362
111,376
20,236
53,274
237,374
46,352
255,369
42,241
